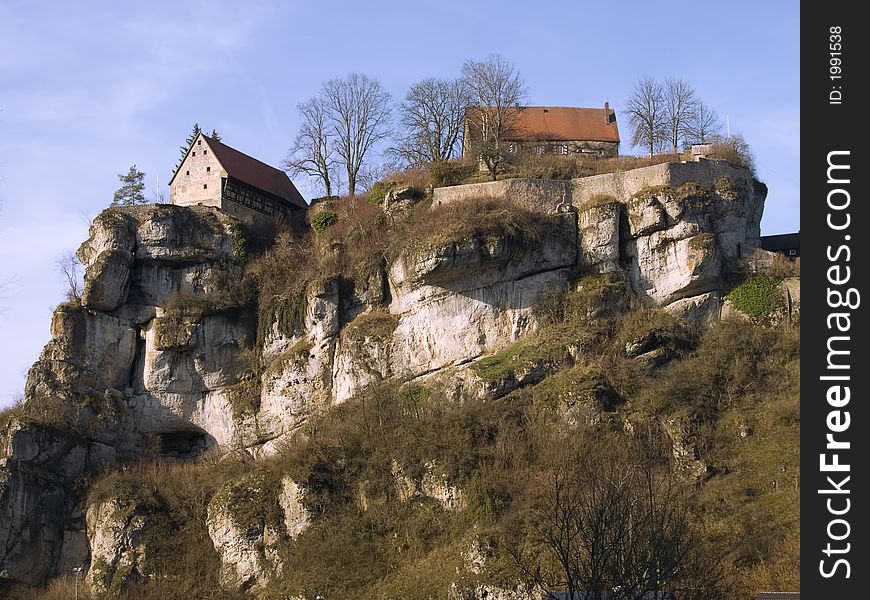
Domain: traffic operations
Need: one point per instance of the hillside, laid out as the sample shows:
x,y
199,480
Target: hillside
x,y
378,405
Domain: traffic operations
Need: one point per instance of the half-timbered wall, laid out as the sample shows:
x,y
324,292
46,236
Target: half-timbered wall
x,y
250,197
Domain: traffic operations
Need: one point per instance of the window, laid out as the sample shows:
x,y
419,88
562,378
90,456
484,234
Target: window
x,y
204,152
205,186
208,169
199,142
187,172
561,149
539,150
792,252
512,148
194,153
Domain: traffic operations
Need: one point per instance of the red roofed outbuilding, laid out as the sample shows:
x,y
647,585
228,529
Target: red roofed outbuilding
x,y
214,174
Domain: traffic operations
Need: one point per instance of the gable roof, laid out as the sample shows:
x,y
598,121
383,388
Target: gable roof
x,y
564,123
254,172
248,169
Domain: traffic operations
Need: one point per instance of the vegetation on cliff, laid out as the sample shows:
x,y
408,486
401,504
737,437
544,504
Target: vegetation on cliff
x,y
730,394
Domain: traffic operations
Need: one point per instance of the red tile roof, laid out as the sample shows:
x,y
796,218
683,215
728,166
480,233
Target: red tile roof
x,y
564,123
256,173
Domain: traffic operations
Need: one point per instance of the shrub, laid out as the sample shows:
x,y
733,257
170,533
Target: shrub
x,y
477,218
660,192
378,192
378,324
598,200
323,220
758,297
240,242
448,172
551,166
690,189
735,150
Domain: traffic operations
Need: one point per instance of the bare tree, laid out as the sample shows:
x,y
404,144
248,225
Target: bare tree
x,y
69,266
609,521
358,110
646,112
681,104
431,119
497,89
313,150
703,125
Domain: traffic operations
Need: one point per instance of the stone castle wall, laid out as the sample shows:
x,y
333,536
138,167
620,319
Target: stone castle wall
x,y
198,180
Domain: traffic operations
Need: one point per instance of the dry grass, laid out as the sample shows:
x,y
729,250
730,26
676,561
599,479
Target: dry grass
x,y
483,217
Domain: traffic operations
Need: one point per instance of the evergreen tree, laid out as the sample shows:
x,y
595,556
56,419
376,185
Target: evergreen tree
x,y
132,190
187,143
215,135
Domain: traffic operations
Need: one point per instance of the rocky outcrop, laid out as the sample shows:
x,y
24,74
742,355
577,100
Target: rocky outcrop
x,y
38,525
460,300
434,484
118,529
165,353
676,229
249,522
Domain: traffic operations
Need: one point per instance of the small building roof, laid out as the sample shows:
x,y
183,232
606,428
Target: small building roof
x,y
781,241
565,123
247,169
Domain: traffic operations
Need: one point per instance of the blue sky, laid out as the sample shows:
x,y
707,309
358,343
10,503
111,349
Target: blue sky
x,y
89,88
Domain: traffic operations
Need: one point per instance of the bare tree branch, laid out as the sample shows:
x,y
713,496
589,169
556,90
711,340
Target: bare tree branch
x,y
609,521
358,110
681,105
646,113
313,150
498,89
431,121
69,266
703,125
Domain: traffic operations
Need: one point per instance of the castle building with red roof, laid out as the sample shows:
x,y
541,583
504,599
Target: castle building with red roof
x,y
559,130
214,174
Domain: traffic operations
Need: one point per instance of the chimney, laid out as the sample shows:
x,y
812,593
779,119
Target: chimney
x,y
607,112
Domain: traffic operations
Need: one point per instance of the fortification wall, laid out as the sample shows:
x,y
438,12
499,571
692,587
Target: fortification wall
x,y
625,184
546,195
540,195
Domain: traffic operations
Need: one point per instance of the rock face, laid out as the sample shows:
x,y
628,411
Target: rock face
x,y
117,534
247,521
37,528
160,355
676,229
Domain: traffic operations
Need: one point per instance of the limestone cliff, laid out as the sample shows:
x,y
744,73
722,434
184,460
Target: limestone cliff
x,y
168,354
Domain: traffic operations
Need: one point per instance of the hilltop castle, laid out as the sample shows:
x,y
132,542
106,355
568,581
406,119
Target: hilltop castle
x,y
213,174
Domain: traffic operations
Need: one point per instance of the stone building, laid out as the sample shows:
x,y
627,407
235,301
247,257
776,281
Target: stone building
x,y
560,130
213,174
